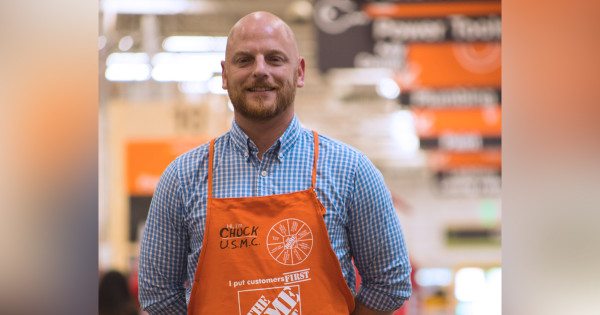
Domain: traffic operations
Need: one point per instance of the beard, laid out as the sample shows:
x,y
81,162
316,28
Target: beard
x,y
262,111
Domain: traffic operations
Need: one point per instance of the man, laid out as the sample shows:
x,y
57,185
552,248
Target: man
x,y
269,218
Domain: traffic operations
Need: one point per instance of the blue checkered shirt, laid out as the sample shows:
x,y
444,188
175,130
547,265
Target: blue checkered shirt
x,y
360,219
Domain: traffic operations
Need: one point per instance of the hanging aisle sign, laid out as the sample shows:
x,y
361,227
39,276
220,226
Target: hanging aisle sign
x,y
451,98
451,65
430,8
435,123
373,34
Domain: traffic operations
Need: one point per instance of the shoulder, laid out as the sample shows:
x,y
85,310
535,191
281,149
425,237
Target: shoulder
x,y
191,159
330,148
347,159
192,163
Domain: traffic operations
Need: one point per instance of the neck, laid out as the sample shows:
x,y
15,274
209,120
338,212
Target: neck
x,y
265,133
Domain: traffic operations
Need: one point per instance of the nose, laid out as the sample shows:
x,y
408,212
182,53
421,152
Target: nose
x,y
260,67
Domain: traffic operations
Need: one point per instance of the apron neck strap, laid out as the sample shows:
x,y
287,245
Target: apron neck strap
x,y
211,151
316,157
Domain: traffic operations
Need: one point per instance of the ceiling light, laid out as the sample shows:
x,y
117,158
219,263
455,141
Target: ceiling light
x,y
127,58
144,6
185,66
126,43
127,67
388,88
128,72
195,43
179,73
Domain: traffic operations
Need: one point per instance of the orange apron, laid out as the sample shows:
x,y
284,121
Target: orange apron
x,y
268,255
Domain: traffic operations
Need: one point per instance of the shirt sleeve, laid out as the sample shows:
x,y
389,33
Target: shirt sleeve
x,y
162,266
377,242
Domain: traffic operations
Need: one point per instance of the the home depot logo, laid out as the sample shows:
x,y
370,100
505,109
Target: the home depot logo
x,y
290,241
270,301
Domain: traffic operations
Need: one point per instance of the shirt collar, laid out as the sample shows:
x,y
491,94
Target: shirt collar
x,y
243,144
288,138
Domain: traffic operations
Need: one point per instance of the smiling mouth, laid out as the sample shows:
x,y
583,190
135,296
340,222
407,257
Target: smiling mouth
x,y
260,89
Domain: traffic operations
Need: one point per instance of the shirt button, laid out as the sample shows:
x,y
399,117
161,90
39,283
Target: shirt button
x,y
264,173
280,155
246,153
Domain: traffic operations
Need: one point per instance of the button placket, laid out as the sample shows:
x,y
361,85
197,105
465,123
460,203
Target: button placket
x,y
263,166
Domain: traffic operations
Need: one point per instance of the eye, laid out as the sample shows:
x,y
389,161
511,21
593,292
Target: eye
x,y
276,59
242,60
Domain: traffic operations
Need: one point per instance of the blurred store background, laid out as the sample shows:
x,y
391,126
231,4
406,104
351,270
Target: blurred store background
x,y
415,85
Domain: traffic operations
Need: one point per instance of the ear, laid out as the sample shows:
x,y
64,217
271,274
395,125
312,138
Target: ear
x,y
223,75
301,69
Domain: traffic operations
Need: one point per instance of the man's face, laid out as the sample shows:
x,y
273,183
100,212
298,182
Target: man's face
x,y
262,70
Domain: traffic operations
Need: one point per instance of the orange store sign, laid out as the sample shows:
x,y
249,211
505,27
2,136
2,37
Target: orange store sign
x,y
432,9
147,160
447,65
439,161
486,121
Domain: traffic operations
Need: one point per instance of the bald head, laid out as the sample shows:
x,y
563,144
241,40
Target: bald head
x,y
262,69
261,23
